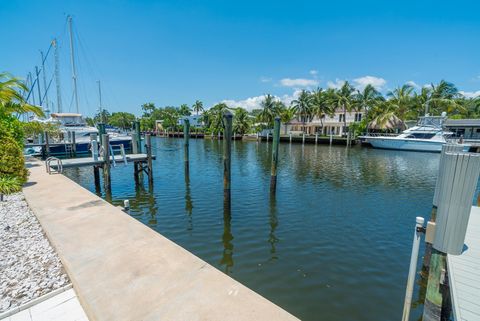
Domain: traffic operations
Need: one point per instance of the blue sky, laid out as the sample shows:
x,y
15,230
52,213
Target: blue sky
x,y
174,52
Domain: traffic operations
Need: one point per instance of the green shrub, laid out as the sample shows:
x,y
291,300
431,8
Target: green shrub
x,y
10,125
9,185
12,162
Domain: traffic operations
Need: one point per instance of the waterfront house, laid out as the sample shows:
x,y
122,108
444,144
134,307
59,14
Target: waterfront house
x,y
333,124
468,128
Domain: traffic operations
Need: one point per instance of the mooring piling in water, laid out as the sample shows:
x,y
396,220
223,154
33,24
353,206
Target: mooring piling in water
x,y
460,172
316,138
451,148
413,267
290,138
227,151
303,138
135,151
148,146
74,145
106,162
101,131
276,140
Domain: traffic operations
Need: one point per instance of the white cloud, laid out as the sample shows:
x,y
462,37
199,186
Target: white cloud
x,y
413,84
336,84
376,82
265,79
470,94
298,82
254,102
313,72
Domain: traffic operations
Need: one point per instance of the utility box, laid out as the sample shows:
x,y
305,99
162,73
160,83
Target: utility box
x,y
459,177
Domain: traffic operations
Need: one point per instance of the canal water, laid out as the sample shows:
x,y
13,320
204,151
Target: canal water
x,y
333,245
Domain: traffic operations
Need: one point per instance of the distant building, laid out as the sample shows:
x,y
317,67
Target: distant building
x,y
468,128
195,120
331,125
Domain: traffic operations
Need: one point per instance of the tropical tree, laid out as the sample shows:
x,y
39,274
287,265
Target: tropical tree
x,y
216,118
241,121
303,105
444,97
184,110
122,120
11,98
343,99
320,104
401,100
287,115
197,107
269,110
366,99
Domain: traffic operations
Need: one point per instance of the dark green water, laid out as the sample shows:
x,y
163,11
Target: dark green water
x,y
334,245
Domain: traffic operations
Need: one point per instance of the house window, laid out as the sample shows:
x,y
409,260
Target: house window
x,y
341,118
478,130
358,117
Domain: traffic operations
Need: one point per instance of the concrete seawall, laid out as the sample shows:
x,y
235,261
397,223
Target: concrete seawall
x,y
123,270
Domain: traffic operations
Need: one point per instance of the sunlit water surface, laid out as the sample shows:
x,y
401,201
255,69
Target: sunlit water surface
x,y
334,245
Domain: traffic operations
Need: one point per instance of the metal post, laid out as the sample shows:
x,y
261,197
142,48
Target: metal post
x,y
227,150
72,61
138,137
106,162
148,145
276,140
413,268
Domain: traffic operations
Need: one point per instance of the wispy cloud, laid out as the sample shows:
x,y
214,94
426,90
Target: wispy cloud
x,y
376,82
313,72
335,84
470,94
265,79
298,82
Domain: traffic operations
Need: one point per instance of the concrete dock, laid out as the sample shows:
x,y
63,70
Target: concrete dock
x,y
123,270
464,273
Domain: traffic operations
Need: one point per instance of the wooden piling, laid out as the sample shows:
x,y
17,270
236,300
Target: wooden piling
x,y
138,136
106,162
276,140
186,139
74,145
101,131
316,138
148,146
96,178
227,150
290,138
47,144
303,138
135,151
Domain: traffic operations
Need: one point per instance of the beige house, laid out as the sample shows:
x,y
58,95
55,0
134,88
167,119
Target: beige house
x,y
331,125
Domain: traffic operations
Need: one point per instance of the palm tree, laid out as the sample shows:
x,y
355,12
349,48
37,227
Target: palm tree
x,y
444,98
184,110
241,121
365,99
197,106
320,104
11,100
401,100
216,117
303,104
343,99
287,114
268,112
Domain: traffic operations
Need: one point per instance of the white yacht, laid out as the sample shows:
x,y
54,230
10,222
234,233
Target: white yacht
x,y
427,136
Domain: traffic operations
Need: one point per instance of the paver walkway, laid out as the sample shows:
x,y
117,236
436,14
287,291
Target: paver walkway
x,y
62,307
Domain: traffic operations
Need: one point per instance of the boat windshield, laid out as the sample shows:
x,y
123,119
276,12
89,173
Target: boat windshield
x,y
431,121
421,135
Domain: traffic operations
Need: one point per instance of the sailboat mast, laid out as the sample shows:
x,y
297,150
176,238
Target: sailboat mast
x,y
72,60
57,75
37,74
46,108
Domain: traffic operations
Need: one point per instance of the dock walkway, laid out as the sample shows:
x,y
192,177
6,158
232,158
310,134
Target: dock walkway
x,y
464,273
89,161
123,270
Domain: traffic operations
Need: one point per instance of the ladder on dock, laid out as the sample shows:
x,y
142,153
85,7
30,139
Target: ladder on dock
x,y
117,148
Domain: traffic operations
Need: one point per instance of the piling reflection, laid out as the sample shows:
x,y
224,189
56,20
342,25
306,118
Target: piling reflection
x,y
227,238
188,197
273,220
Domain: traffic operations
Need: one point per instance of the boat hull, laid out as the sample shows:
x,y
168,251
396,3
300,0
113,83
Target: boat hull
x,y
406,144
83,148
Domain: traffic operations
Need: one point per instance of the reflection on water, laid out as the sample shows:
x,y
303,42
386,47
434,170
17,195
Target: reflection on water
x,y
333,243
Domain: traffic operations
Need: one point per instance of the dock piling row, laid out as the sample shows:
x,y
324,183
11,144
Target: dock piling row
x,y
276,140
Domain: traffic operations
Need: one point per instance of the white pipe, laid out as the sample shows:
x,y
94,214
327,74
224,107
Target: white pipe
x,y
413,269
